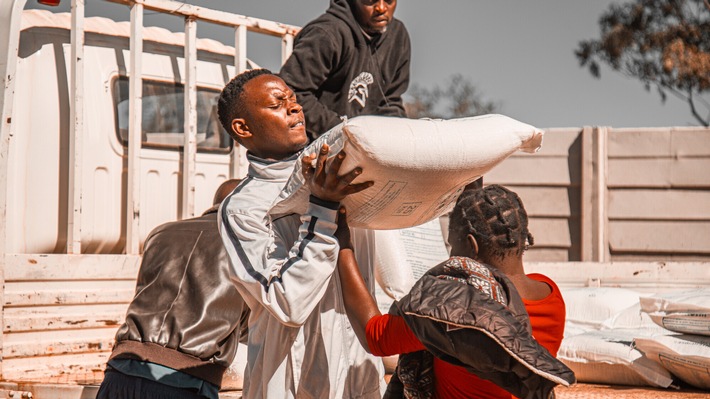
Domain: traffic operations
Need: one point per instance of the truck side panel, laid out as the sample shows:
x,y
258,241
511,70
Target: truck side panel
x,y
37,220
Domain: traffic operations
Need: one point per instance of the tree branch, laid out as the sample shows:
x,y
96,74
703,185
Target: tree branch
x,y
693,111
687,98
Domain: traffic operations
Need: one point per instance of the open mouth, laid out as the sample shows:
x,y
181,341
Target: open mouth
x,y
298,124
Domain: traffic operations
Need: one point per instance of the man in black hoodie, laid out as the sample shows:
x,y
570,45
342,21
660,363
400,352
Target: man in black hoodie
x,y
352,60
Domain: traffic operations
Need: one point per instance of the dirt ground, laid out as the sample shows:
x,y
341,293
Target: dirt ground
x,y
577,391
594,391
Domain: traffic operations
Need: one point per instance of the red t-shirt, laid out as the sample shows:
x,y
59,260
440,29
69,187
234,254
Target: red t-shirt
x,y
389,335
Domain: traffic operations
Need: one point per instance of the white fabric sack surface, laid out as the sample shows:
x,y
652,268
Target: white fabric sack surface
x,y
589,307
684,312
608,357
402,256
234,375
633,318
686,356
419,166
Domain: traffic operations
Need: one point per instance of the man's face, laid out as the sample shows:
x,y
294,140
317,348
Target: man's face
x,y
274,125
374,15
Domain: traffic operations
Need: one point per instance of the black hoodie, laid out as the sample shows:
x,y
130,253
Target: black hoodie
x,y
336,70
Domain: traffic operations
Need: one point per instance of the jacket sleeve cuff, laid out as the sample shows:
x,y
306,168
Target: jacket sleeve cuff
x,y
323,210
333,205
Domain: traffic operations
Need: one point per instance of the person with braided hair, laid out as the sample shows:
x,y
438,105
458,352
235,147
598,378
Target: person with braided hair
x,y
488,234
494,223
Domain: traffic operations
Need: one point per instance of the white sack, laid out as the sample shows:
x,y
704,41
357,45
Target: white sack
x,y
686,356
404,255
233,379
685,312
633,318
419,166
589,307
608,357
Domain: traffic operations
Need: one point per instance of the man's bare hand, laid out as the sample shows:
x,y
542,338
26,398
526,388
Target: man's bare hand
x,y
325,181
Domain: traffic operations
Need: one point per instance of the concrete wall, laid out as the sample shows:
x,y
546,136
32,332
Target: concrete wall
x,y
604,194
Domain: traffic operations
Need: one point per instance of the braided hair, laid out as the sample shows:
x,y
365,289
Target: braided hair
x,y
496,218
230,105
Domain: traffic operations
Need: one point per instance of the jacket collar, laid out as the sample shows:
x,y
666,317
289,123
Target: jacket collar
x,y
265,169
213,209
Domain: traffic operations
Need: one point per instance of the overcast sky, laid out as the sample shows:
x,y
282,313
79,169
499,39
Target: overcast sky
x,y
519,54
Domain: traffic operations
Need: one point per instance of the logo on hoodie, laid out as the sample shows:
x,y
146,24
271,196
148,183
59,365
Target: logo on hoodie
x,y
358,88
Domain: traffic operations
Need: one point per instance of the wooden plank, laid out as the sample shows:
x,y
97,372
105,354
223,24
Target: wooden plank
x,y
637,143
135,129
600,238
691,172
639,172
550,232
659,172
587,194
653,257
660,236
44,367
58,342
537,254
237,166
659,142
664,204
9,46
690,142
258,25
286,47
63,317
31,293
19,267
543,201
560,142
642,276
67,386
551,171
76,129
190,121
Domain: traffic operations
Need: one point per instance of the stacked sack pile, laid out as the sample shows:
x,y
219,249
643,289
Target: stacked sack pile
x,y
623,337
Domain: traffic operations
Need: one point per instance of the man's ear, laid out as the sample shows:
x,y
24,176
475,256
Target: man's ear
x,y
474,245
240,128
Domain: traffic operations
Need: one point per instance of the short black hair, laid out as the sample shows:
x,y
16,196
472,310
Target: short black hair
x,y
496,218
230,105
